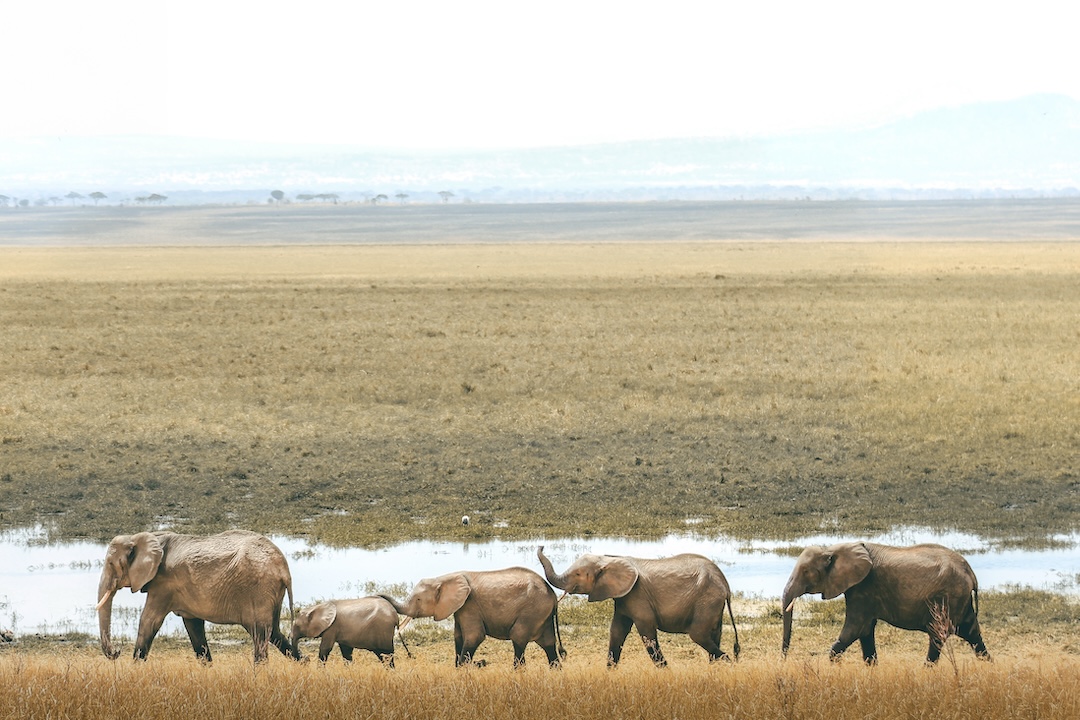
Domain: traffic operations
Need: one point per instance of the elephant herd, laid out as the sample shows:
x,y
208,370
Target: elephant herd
x,y
240,577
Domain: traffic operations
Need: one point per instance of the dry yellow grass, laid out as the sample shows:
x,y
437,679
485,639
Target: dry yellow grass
x,y
1045,687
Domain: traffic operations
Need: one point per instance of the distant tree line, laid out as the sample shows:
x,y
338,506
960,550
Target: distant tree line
x,y
74,197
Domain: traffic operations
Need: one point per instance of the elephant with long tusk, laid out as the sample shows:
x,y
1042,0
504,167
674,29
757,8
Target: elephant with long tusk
x,y
235,577
924,587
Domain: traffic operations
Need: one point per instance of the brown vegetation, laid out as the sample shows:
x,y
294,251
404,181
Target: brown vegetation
x,y
375,394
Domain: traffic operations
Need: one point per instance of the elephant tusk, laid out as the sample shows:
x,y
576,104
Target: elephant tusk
x,y
403,623
107,596
790,605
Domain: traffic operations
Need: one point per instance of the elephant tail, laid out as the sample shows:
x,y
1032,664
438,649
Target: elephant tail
x,y
558,635
292,611
734,628
402,639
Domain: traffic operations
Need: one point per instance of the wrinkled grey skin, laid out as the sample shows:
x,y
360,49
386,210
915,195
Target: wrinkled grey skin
x,y
362,624
236,577
514,604
680,594
900,585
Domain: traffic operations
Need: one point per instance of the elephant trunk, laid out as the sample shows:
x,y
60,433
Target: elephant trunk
x,y
398,607
556,580
106,590
787,601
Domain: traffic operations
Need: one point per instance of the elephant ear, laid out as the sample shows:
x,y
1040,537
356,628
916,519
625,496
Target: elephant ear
x,y
144,559
452,593
320,618
848,566
615,578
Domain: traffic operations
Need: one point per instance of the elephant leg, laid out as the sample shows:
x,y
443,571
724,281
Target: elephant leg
x,y
346,651
281,642
326,644
458,642
519,654
548,643
869,645
934,651
972,634
620,628
466,644
848,635
386,657
652,646
468,652
149,623
196,632
262,635
709,640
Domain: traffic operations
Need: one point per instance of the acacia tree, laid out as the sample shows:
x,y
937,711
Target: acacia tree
x,y
277,195
97,196
402,197
73,196
445,195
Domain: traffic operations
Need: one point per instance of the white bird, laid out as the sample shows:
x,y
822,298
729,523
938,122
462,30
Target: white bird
x,y
464,519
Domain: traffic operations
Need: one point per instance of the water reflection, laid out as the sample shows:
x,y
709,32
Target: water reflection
x,y
51,588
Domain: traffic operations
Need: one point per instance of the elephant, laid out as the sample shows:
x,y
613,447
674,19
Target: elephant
x,y
365,623
236,577
680,594
923,587
511,604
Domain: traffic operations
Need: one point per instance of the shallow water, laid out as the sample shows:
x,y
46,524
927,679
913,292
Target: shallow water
x,y
52,588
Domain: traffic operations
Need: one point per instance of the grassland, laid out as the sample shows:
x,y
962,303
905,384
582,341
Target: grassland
x,y
364,395
372,394
1035,673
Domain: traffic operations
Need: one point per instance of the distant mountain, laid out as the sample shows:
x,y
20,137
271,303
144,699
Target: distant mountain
x,y
1029,145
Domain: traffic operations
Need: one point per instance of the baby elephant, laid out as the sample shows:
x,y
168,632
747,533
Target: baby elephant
x,y
366,623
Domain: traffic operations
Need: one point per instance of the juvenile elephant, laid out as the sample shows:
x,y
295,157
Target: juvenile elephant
x,y
923,587
680,594
236,577
514,604
365,624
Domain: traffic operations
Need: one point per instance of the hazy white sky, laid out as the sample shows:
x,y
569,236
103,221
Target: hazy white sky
x,y
479,73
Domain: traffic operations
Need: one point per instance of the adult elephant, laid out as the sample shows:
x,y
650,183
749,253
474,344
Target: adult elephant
x,y
924,587
681,594
236,577
514,604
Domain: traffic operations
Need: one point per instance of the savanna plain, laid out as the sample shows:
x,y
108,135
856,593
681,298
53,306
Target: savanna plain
x,y
367,394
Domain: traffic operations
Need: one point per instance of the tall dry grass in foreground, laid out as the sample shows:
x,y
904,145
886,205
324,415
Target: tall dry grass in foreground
x,y
172,686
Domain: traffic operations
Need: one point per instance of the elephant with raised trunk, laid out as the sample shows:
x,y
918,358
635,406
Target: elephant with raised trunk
x,y
236,577
681,594
514,604
361,624
924,587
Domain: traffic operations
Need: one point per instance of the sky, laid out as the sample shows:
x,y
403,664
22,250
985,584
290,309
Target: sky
x,y
478,74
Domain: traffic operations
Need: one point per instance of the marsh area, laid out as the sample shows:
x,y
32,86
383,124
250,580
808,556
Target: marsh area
x,y
363,377
51,588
